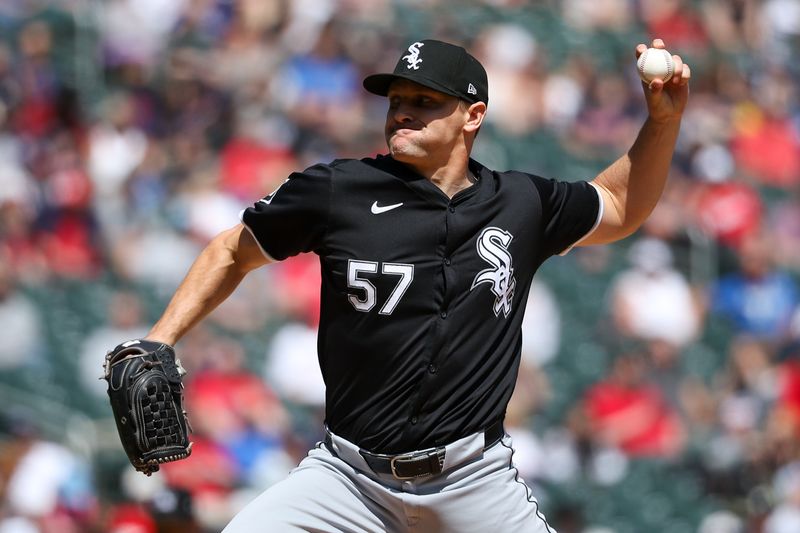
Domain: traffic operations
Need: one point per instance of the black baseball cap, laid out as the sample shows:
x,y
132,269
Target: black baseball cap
x,y
440,66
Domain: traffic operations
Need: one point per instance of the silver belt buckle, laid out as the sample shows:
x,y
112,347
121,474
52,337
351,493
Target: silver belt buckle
x,y
402,457
431,453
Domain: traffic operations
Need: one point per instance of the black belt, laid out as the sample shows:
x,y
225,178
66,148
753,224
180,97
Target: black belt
x,y
419,463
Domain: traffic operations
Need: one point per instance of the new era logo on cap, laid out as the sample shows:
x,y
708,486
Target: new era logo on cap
x,y
440,66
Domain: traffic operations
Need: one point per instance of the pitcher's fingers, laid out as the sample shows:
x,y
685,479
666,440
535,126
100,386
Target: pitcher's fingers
x,y
656,86
685,75
677,73
640,48
658,43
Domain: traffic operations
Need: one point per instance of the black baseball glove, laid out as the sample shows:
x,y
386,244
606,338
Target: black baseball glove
x,y
146,392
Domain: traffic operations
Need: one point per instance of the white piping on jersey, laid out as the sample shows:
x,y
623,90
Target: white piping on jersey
x,y
263,251
596,222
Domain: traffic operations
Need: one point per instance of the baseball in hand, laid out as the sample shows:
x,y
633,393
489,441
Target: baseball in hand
x,y
655,63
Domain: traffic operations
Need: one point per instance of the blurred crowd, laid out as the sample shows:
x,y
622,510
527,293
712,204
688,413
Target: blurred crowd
x,y
132,131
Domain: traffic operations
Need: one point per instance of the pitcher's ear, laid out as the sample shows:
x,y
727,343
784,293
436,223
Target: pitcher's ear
x,y
477,111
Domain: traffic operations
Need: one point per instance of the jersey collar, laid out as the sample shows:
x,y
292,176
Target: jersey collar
x,y
423,186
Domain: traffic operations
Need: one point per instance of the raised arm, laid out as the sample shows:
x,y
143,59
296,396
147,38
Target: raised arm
x,y
216,272
632,185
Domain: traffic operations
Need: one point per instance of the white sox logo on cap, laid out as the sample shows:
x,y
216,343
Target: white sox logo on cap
x,y
413,56
448,68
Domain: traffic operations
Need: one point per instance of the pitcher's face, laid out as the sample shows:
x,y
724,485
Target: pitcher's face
x,y
422,122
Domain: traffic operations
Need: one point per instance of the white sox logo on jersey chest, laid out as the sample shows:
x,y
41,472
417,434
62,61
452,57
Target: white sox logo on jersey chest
x,y
492,246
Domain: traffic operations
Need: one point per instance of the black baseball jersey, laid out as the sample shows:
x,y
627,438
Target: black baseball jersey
x,y
422,295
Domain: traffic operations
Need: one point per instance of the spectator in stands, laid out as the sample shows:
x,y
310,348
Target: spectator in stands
x,y
652,301
676,19
201,207
131,264
291,363
129,518
721,522
239,433
541,327
238,413
730,212
784,220
292,366
47,484
516,89
758,299
125,321
36,113
787,406
320,89
744,394
20,319
766,140
116,146
624,411
785,517
68,229
607,122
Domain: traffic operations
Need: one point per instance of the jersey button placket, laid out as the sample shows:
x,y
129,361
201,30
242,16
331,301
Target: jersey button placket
x,y
432,368
447,261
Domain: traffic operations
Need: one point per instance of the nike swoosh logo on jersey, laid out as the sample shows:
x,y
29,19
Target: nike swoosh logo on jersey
x,y
377,209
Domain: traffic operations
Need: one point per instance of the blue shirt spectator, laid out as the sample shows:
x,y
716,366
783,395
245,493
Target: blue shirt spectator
x,y
758,299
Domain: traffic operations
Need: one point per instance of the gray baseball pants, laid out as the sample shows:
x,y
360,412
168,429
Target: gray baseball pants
x,y
336,491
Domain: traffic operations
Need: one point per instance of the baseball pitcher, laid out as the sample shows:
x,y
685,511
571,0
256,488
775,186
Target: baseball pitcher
x,y
427,258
